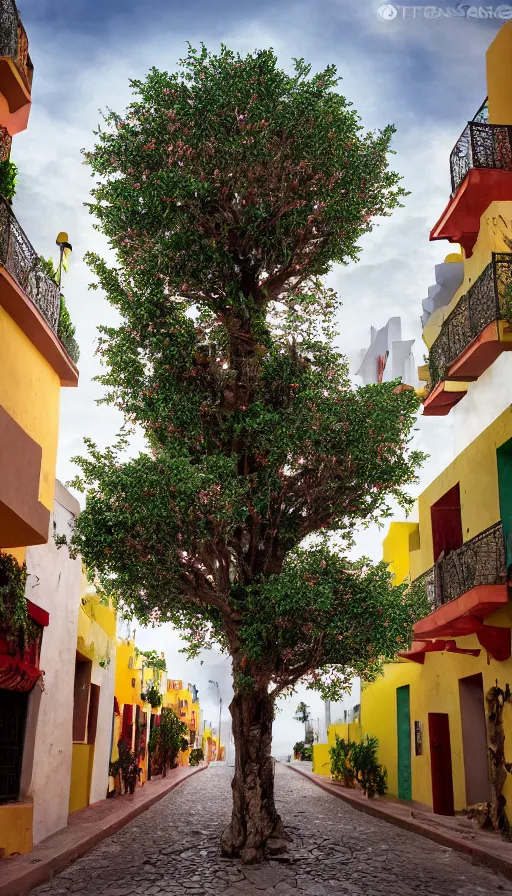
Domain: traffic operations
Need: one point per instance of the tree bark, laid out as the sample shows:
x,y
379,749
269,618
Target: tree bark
x,y
254,817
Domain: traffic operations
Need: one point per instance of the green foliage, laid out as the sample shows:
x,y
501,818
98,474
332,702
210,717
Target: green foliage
x,y
358,761
196,756
66,331
152,696
226,192
15,624
305,751
167,739
8,179
340,755
126,765
151,658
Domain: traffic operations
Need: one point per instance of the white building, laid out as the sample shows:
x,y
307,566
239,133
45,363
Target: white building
x,y
388,357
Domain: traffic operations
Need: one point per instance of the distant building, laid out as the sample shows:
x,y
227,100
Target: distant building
x,y
389,357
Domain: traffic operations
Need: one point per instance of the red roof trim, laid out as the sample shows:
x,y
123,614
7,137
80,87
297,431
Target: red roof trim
x,y
38,614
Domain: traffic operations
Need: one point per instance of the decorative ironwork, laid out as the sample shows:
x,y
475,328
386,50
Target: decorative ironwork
x,y
481,145
20,259
484,302
14,41
482,115
5,144
480,561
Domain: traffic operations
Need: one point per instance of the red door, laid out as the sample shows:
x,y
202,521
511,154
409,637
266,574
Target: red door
x,y
441,763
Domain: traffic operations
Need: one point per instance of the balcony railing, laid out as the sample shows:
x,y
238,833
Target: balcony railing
x,y
5,144
14,41
481,561
481,145
485,301
21,260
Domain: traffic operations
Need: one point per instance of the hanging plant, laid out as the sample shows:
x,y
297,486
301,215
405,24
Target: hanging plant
x,y
8,179
15,624
152,696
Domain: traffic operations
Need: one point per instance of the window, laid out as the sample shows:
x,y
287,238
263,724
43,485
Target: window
x,y
85,703
83,668
446,524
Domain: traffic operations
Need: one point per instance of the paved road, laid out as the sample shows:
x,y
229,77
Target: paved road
x,y
173,849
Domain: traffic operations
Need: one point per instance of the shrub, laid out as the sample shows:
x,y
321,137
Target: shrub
x,y
196,756
341,765
352,761
8,179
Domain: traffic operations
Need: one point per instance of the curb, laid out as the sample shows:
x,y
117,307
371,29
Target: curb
x,y
478,855
32,875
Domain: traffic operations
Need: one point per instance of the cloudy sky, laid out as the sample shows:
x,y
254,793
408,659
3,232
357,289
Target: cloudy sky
x,y
427,76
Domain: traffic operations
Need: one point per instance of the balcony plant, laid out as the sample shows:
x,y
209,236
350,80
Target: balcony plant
x,y
152,696
15,624
66,331
8,179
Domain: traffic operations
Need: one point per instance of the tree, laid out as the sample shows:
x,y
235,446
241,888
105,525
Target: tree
x,y
303,714
228,191
168,738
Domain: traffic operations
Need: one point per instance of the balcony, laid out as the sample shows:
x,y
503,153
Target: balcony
x,y
16,69
472,336
481,172
465,588
30,297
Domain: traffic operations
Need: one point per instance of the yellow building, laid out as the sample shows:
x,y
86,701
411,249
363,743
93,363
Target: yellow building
x,y
34,364
430,708
93,706
185,703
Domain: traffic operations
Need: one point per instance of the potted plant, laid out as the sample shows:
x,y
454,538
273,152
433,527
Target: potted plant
x,y
342,770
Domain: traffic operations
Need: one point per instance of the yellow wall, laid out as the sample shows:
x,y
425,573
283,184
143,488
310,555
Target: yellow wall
x,y
475,469
81,771
30,393
396,548
16,830
434,687
123,689
494,236
499,76
96,628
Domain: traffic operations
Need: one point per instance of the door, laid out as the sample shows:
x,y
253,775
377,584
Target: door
x,y
441,763
474,740
403,725
13,713
504,459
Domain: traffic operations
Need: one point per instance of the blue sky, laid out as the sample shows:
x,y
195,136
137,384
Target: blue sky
x,y
425,76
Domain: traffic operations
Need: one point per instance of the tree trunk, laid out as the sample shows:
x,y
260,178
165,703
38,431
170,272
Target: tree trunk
x,y
254,817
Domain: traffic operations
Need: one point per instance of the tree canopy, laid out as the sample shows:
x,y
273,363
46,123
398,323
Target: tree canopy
x,y
228,190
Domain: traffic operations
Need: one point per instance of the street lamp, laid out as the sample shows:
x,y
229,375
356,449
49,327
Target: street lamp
x,y
216,685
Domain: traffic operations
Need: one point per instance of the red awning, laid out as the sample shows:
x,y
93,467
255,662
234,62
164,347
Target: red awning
x,y
17,675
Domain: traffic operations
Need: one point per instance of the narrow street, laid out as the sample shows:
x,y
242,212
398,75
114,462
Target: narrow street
x,y
173,849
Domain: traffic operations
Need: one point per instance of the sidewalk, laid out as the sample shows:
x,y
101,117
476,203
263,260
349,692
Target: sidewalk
x,y
85,829
455,832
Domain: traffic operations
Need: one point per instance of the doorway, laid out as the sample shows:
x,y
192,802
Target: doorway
x,y
446,521
13,714
441,763
403,725
474,740
504,460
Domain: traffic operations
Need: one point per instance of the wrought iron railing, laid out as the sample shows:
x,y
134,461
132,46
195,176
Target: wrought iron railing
x,y
21,260
5,144
14,41
480,561
481,145
485,301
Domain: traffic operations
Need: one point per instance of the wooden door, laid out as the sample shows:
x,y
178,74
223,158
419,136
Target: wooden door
x,y
441,763
403,725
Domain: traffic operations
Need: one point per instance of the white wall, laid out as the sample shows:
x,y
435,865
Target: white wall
x,y
46,768
486,399
102,747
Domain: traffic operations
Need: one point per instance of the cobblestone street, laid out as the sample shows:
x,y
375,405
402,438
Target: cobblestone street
x,y
173,849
